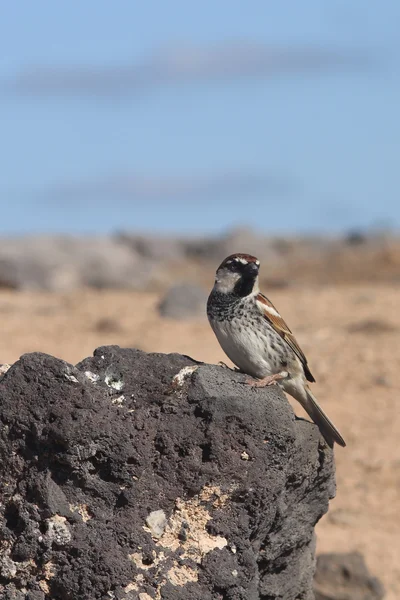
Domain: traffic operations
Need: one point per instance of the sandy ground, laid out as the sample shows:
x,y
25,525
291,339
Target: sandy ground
x,y
351,336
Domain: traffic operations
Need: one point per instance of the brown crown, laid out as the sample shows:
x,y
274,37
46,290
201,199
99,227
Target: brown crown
x,y
248,257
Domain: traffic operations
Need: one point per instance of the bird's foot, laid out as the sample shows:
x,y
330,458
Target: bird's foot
x,y
267,381
225,366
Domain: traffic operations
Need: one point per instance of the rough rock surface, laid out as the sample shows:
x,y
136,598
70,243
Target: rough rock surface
x,y
150,476
345,577
183,301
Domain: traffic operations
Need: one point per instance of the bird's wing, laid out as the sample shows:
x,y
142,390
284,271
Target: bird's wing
x,y
274,318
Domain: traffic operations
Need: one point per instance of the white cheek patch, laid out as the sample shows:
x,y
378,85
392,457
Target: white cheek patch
x,y
226,280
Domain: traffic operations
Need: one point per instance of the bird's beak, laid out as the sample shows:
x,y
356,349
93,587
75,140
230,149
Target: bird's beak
x,y
252,268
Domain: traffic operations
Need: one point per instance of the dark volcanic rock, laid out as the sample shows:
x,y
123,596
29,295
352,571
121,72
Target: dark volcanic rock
x,y
345,577
128,477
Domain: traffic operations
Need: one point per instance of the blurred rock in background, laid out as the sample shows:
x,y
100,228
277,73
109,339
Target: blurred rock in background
x,y
147,262
345,577
183,301
152,246
61,263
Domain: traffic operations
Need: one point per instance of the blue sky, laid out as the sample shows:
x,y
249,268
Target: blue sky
x,y
191,117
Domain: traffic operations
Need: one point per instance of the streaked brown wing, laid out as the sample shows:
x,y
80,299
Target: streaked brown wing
x,y
280,326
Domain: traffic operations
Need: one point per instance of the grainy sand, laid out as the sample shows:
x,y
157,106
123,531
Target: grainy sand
x,y
351,336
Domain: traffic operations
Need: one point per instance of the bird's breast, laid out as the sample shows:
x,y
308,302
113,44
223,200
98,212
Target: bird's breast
x,y
249,345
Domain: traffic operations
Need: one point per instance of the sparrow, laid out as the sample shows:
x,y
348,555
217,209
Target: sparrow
x,y
257,340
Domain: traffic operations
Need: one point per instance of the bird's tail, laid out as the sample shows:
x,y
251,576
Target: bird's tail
x,y
326,427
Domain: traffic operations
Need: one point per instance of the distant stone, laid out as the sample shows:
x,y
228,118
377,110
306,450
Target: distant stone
x,y
38,263
243,239
153,247
62,263
107,325
106,263
355,238
372,327
345,577
183,301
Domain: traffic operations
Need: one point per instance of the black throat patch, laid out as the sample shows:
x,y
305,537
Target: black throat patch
x,y
245,285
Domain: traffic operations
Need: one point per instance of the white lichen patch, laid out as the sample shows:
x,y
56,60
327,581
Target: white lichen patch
x,y
93,377
58,530
118,401
44,586
3,369
185,531
180,575
179,379
156,522
185,534
8,568
131,587
71,378
219,498
191,517
114,382
134,586
48,572
81,509
244,455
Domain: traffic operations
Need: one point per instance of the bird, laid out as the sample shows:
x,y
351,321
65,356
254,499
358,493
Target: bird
x,y
257,340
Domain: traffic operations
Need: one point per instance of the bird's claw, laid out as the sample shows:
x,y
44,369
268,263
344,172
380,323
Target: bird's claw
x,y
222,364
267,381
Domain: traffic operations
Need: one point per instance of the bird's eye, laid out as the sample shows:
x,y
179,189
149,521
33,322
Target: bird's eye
x,y
230,265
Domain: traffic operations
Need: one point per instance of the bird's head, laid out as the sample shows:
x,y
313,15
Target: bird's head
x,y
238,274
